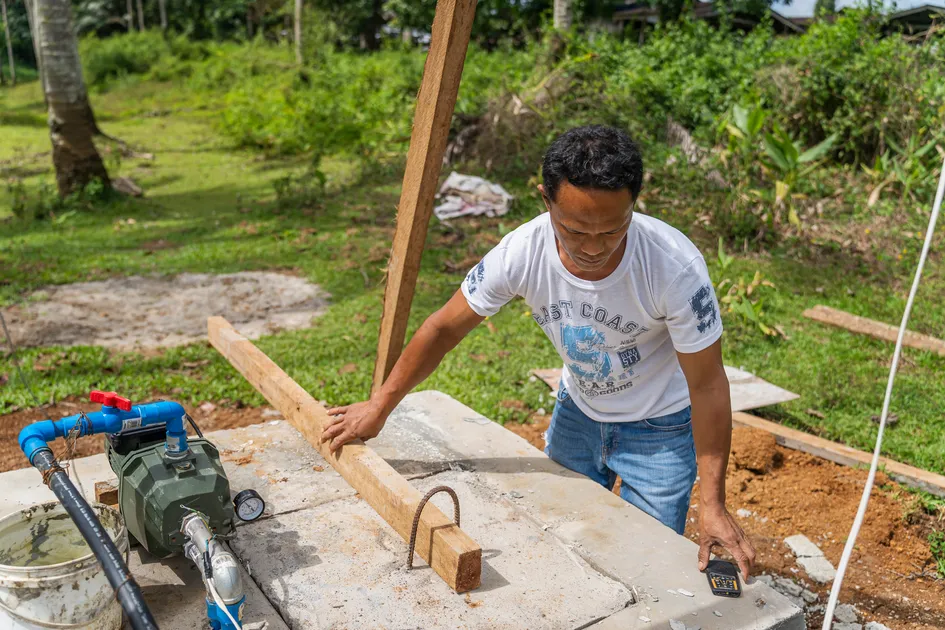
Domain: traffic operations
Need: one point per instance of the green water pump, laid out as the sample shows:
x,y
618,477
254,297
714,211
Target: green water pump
x,y
156,491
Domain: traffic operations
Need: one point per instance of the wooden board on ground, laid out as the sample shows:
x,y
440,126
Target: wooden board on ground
x,y
842,454
443,545
748,391
449,39
873,328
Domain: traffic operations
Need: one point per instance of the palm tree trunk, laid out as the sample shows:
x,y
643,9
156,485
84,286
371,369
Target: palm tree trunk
x,y
162,9
140,17
130,10
6,33
298,32
562,14
71,123
31,18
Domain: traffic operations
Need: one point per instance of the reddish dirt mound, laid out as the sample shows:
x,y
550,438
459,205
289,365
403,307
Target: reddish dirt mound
x,y
208,416
789,493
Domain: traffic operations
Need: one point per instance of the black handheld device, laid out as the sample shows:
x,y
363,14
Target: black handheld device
x,y
723,579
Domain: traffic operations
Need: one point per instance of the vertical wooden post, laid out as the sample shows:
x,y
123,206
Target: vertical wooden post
x,y
431,124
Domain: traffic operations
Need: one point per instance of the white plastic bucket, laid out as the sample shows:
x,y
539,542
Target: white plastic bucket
x,y
49,577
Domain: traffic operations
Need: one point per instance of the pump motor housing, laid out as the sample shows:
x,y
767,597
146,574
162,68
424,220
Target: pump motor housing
x,y
156,491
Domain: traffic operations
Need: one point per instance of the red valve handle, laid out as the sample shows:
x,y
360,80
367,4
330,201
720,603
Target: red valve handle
x,y
110,399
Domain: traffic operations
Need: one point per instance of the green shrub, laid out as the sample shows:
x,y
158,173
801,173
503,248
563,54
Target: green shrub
x,y
112,58
688,70
847,79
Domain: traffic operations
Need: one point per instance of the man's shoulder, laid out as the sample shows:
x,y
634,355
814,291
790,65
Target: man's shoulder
x,y
658,238
528,235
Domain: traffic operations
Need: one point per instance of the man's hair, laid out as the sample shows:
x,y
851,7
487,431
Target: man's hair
x,y
594,156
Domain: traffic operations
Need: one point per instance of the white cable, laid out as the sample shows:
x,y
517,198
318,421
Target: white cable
x,y
864,500
219,602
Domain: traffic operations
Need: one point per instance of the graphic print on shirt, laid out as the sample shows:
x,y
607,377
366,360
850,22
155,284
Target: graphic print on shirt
x,y
703,307
584,346
474,277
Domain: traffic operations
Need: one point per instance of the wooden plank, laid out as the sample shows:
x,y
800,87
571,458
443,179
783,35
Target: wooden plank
x,y
842,454
446,548
106,492
873,328
431,124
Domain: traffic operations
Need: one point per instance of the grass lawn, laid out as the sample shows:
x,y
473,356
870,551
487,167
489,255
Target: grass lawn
x,y
216,207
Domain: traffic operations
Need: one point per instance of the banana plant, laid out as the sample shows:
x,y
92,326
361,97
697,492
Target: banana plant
x,y
792,163
904,165
744,128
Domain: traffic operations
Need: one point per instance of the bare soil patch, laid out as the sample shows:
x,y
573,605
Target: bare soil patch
x,y
160,311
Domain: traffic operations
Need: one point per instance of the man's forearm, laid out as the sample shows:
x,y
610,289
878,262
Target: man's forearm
x,y
712,431
420,358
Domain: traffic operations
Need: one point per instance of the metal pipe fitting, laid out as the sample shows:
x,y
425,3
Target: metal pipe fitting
x,y
223,566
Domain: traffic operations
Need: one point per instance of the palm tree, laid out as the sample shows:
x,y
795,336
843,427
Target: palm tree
x,y
6,34
162,9
140,16
71,122
298,32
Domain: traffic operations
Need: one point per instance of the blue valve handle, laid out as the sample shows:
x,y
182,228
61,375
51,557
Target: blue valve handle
x,y
35,437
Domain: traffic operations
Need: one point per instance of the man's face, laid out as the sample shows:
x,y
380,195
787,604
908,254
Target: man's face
x,y
590,224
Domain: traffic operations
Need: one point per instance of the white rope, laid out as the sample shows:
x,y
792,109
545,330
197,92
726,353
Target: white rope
x,y
864,500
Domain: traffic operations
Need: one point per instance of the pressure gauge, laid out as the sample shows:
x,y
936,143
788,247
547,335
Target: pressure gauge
x,y
249,505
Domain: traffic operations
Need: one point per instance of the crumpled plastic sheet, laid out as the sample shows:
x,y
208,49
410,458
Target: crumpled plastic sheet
x,y
468,195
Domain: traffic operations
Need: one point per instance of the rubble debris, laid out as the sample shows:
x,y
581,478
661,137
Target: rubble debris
x,y
811,558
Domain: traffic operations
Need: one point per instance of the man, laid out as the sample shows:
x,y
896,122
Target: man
x,y
627,302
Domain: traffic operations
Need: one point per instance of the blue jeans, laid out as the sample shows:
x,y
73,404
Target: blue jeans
x,y
655,458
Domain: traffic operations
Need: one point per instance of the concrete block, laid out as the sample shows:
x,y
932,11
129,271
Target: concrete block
x,y
340,564
788,586
846,613
818,568
875,625
802,546
847,626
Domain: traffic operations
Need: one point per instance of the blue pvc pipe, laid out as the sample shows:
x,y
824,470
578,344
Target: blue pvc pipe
x,y
35,437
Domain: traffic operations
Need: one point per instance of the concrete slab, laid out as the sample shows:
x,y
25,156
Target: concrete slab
x,y
748,391
341,565
274,460
596,524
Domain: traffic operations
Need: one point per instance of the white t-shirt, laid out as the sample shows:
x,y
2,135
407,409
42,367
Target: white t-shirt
x,y
617,336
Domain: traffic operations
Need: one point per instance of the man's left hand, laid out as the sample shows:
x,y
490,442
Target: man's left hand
x,y
718,527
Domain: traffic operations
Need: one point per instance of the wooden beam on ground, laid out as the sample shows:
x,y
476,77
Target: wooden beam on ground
x,y
879,330
445,547
431,125
842,454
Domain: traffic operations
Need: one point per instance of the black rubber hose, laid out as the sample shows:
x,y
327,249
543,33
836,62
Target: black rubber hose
x,y
127,591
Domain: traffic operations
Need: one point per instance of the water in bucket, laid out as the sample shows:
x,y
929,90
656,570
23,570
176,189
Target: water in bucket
x,y
49,577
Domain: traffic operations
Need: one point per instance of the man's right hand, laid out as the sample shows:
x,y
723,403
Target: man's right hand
x,y
362,420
